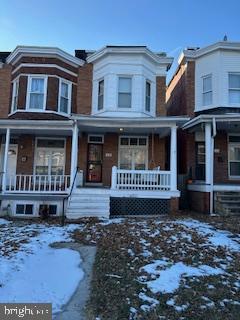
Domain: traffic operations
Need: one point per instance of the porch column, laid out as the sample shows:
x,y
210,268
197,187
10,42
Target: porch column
x,y
74,153
5,160
173,158
208,153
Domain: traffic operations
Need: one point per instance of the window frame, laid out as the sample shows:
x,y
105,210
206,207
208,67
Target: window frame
x,y
235,144
233,89
15,95
49,167
24,204
148,82
29,84
118,92
133,147
208,91
69,84
102,95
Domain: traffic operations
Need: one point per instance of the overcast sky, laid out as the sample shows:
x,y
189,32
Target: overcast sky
x,y
84,24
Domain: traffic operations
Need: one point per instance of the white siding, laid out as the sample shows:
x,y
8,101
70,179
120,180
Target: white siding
x,y
218,64
139,69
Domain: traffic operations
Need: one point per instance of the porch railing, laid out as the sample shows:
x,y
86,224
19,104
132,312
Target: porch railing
x,y
37,183
141,179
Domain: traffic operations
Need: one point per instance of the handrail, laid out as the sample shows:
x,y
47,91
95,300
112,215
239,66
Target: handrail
x,y
68,196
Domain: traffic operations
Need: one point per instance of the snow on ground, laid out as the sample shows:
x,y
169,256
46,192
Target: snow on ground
x,y
169,279
4,221
36,272
215,237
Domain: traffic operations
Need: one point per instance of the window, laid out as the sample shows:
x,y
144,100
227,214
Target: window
x,y
24,209
15,95
133,153
37,93
99,138
49,209
64,97
234,156
50,157
207,91
148,96
234,88
100,94
124,92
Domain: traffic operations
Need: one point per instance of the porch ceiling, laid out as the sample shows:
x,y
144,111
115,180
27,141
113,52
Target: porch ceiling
x,y
160,125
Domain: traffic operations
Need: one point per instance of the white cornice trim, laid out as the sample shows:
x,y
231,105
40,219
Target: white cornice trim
x,y
21,51
203,118
34,124
43,65
129,50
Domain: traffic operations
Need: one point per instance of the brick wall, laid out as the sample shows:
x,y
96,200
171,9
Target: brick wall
x,y
180,95
110,146
52,94
82,153
160,96
157,156
199,201
22,92
26,144
5,90
84,89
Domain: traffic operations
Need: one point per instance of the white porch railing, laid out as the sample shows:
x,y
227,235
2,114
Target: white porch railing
x,y
37,183
141,179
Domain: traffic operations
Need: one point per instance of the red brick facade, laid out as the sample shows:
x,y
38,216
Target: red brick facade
x,y
161,96
199,201
84,89
5,90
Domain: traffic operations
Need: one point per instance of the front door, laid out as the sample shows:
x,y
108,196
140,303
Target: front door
x,y
94,164
12,161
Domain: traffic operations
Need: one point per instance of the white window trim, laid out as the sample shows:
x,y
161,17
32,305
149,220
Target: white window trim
x,y
69,83
133,147
229,161
128,77
24,202
15,88
233,89
145,97
96,135
29,82
36,147
203,92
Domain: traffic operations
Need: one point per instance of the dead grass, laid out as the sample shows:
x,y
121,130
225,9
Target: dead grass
x,y
123,248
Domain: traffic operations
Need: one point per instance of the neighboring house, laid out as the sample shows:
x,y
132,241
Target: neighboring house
x,y
88,134
206,87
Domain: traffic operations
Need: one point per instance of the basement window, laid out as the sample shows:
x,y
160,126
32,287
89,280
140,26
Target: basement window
x,y
24,209
51,208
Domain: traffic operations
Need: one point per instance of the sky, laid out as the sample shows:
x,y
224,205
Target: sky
x,y
168,25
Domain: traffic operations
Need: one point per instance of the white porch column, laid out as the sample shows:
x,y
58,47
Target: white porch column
x,y
5,160
74,153
208,153
114,178
173,158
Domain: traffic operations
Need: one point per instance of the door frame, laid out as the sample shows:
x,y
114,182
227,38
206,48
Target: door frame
x,y
87,169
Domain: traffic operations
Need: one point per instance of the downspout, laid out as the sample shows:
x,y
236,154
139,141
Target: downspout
x,y
212,164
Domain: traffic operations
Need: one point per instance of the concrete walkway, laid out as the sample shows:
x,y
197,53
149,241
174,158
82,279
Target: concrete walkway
x,y
75,309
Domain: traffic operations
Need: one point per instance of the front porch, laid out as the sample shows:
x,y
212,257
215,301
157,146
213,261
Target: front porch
x,y
215,169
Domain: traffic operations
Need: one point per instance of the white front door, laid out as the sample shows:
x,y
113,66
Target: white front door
x,y
12,160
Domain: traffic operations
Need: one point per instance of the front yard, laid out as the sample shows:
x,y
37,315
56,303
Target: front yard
x,y
161,268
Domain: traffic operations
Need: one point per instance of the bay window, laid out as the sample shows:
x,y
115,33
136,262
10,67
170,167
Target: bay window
x,y
207,90
49,157
64,97
234,88
37,92
124,92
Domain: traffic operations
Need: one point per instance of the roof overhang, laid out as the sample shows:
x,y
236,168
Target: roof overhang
x,y
232,118
35,51
127,125
156,58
